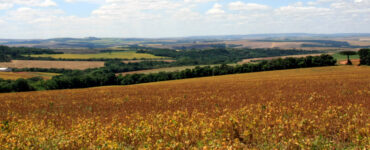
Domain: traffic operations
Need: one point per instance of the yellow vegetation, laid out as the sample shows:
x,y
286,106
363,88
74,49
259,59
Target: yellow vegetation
x,y
17,75
315,108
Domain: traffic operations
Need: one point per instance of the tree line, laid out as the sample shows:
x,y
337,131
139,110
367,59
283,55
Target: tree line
x,y
364,56
102,77
9,53
220,55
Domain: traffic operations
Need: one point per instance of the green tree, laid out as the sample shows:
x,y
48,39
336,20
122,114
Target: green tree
x,y
364,56
348,53
21,85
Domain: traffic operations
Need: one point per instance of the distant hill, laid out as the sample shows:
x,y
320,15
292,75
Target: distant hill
x,y
95,42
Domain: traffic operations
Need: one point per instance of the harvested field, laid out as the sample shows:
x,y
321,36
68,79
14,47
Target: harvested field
x,y
269,58
293,45
258,44
25,75
113,55
137,61
359,43
81,65
312,108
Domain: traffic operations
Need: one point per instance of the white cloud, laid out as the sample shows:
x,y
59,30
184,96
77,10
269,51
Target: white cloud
x,y
37,3
199,1
5,6
133,9
246,6
308,10
216,10
88,1
168,18
30,15
186,14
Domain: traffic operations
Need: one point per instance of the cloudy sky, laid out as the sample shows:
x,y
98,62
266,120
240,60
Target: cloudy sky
x,y
174,18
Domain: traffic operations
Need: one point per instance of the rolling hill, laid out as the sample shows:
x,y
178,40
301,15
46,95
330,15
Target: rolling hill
x,y
322,108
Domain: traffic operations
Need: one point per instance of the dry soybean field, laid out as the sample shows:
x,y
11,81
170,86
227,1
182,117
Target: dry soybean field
x,y
314,108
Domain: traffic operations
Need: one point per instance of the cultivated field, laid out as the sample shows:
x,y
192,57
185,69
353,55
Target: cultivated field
x,y
314,108
340,57
269,58
138,61
25,75
297,45
258,44
81,65
113,55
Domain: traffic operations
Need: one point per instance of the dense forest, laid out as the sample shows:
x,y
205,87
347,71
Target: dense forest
x,y
101,77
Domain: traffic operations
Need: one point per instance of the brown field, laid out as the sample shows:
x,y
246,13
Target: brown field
x,y
297,45
359,43
313,108
256,44
80,65
364,39
53,64
269,58
137,61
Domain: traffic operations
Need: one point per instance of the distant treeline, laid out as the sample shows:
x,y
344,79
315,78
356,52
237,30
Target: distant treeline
x,y
364,56
220,55
9,53
107,77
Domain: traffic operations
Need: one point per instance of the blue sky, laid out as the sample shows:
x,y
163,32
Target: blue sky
x,y
174,18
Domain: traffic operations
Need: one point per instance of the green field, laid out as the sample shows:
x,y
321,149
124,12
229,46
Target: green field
x,y
113,55
340,57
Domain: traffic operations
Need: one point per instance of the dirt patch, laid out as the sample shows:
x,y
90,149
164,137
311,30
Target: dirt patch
x,y
354,62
